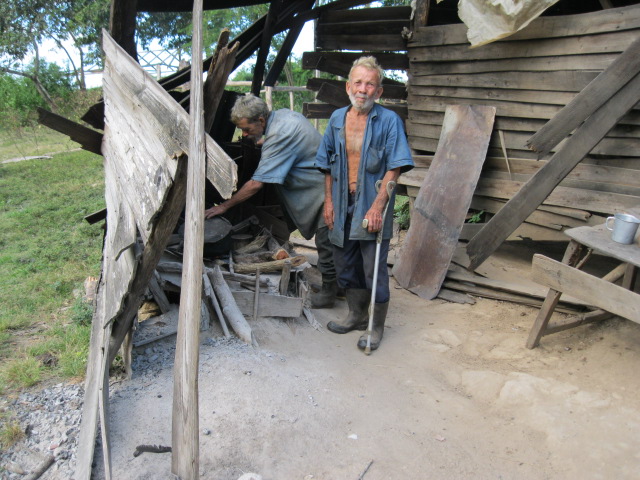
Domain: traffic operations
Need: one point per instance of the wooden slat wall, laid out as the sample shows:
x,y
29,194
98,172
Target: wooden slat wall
x,y
529,77
369,31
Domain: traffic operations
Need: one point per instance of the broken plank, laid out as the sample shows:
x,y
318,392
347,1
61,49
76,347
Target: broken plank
x,y
88,139
436,221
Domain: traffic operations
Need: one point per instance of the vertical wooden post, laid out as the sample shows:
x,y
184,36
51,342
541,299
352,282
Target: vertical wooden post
x,y
185,457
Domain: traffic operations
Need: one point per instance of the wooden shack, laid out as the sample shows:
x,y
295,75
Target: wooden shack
x,y
572,60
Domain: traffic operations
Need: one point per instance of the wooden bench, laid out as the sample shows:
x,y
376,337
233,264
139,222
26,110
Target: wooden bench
x,y
602,293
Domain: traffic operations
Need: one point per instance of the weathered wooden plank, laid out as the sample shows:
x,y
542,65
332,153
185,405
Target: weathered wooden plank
x,y
185,453
390,26
503,108
534,192
593,185
598,61
324,110
560,81
151,104
339,63
609,20
370,42
88,139
398,92
119,268
595,291
541,47
361,15
619,73
603,202
436,221
333,95
270,305
509,95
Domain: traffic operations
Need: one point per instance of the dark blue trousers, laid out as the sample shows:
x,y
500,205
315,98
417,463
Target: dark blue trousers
x,y
355,260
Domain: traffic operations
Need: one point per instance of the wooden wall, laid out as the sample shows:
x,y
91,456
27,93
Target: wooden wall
x,y
528,77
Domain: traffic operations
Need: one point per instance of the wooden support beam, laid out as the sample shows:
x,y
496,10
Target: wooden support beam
x,y
265,44
185,453
122,25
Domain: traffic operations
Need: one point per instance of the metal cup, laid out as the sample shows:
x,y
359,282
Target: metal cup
x,y
624,227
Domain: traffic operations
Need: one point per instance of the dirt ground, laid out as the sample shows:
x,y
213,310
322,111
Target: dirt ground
x,y
452,393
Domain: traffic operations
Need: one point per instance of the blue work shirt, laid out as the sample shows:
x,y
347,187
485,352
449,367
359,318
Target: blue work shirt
x,y
287,160
384,148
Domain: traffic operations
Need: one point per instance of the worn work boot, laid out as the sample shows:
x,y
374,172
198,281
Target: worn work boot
x,y
379,316
358,318
326,297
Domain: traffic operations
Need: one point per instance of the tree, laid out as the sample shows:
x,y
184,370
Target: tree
x,y
25,25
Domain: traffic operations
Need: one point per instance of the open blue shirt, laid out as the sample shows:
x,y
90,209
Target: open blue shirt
x,y
384,148
287,160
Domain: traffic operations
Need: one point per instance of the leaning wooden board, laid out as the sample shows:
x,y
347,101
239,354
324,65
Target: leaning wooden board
x,y
444,198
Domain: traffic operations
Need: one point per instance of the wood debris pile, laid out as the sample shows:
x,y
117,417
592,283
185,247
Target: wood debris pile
x,y
261,278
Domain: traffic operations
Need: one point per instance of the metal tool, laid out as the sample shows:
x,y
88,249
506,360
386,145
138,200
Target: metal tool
x,y
391,185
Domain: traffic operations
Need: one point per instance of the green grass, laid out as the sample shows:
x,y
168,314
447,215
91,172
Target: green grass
x,y
46,252
33,141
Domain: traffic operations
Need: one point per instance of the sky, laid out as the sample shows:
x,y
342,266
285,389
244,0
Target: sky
x,y
54,55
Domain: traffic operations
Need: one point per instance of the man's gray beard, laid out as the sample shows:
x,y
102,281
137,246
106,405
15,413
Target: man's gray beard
x,y
365,108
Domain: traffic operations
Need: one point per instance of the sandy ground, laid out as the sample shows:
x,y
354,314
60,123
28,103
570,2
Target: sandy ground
x,y
452,393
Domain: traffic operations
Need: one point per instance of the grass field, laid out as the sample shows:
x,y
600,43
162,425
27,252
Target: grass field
x,y
46,252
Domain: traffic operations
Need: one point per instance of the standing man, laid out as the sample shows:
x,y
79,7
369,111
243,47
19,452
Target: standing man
x,y
363,143
289,145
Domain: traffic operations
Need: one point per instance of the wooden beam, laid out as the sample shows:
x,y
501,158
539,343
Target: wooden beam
x,y
122,25
339,63
534,192
185,453
88,139
265,44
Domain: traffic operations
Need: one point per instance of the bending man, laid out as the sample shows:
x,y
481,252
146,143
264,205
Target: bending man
x,y
289,145
363,143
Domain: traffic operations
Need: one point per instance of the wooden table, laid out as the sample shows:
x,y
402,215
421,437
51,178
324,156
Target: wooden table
x,y
566,277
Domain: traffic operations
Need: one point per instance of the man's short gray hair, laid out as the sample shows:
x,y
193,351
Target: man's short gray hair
x,y
250,107
370,63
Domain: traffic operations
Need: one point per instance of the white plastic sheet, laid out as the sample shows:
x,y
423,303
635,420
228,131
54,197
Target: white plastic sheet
x,y
491,20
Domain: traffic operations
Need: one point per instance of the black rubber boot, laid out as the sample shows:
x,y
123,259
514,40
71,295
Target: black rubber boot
x,y
379,316
326,297
358,318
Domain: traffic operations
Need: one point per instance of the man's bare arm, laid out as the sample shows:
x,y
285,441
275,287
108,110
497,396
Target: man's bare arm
x,y
328,202
374,215
247,191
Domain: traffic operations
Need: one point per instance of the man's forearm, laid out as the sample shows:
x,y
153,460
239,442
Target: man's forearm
x,y
247,191
383,197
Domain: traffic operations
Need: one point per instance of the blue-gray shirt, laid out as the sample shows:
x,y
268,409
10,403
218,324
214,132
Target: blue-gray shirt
x,y
384,148
287,160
